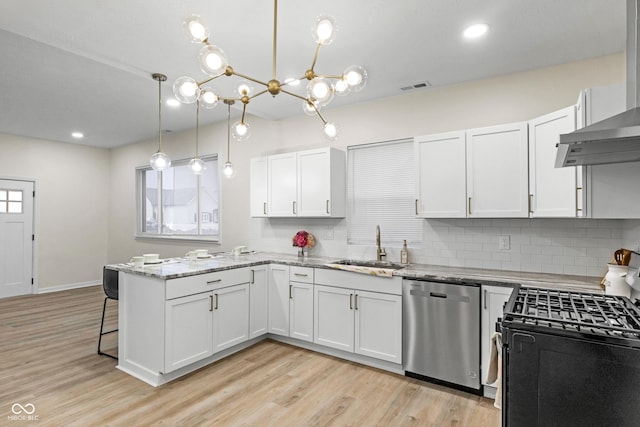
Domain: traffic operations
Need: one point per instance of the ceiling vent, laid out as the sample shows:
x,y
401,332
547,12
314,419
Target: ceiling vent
x,y
421,85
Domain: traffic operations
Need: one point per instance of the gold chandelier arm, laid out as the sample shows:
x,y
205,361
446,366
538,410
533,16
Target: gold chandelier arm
x,y
244,108
315,57
250,78
275,36
205,81
289,82
329,76
258,94
295,95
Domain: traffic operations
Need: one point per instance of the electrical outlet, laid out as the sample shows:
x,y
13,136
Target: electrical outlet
x,y
328,234
504,243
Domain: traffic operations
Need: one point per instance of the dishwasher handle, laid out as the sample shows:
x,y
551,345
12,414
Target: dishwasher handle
x,y
437,295
441,295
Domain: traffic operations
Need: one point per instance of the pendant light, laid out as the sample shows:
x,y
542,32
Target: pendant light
x,y
196,164
159,161
228,171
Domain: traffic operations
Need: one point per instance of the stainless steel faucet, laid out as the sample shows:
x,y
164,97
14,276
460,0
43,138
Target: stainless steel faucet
x,y
380,252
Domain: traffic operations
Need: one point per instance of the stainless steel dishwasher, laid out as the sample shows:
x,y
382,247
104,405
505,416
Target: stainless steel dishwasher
x,y
441,332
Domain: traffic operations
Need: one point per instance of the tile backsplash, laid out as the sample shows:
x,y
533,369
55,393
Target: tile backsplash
x,y
564,246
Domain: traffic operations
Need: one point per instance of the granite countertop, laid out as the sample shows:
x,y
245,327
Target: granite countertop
x,y
180,267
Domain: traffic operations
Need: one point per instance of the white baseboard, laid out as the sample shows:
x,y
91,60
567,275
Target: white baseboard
x,y
66,287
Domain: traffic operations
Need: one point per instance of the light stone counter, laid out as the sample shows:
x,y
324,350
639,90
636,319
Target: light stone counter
x,y
180,267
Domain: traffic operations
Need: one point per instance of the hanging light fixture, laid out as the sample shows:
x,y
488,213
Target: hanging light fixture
x,y
228,171
159,161
196,164
320,87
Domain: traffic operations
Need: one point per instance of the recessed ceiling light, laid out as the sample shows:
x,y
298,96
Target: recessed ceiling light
x,y
77,135
475,31
173,102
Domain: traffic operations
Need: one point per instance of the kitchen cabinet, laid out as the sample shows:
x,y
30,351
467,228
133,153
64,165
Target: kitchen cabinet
x,y
291,302
441,183
553,192
497,171
362,322
188,330
258,187
493,300
258,301
230,316
608,186
310,183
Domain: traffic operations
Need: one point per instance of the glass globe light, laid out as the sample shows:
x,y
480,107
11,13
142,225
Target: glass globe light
x,y
185,89
197,166
330,131
213,60
324,30
341,88
240,131
160,161
356,77
321,90
244,88
308,108
228,171
209,98
195,29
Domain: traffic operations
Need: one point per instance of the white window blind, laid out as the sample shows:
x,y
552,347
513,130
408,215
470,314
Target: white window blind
x,y
381,191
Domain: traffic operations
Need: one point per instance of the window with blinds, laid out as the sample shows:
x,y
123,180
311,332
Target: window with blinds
x,y
381,191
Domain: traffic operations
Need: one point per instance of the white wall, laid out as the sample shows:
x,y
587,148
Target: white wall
x,y
70,207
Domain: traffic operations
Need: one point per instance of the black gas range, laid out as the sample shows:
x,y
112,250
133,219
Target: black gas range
x,y
570,359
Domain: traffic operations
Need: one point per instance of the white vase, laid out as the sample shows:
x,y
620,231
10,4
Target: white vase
x,y
614,281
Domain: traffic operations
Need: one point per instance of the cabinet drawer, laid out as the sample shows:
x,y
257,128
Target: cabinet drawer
x,y
206,282
301,274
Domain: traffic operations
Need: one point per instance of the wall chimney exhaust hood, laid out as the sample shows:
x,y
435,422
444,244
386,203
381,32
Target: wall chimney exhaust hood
x,y
617,138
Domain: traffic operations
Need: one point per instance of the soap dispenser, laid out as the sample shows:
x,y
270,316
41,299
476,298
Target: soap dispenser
x,y
404,253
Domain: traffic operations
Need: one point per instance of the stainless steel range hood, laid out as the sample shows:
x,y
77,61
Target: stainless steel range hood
x,y
616,139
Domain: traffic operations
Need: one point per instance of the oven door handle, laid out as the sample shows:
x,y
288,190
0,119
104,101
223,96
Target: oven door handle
x,y
519,339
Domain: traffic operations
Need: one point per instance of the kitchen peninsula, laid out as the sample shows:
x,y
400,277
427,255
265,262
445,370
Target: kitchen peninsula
x,y
179,315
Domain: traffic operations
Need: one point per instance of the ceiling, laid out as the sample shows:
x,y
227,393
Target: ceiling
x,y
86,65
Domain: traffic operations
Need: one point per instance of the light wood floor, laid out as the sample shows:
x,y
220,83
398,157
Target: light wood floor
x,y
48,358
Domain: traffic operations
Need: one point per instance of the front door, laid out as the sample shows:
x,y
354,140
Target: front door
x,y
16,237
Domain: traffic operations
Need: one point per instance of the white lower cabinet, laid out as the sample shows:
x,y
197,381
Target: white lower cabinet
x,y
493,301
291,302
367,323
258,301
230,316
188,330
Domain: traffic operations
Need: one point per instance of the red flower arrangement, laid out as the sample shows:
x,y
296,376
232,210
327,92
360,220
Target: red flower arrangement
x,y
303,239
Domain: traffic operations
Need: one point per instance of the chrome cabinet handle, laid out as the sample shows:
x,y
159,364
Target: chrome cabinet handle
x,y
485,299
290,291
210,302
469,206
300,274
211,282
416,207
350,301
253,276
530,203
356,301
216,307
294,208
578,208
264,208
328,207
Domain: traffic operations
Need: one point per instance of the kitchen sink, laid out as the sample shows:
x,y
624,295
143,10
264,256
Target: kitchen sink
x,y
371,264
373,268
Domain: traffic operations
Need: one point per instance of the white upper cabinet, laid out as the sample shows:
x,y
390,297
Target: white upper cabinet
x,y
441,167
282,184
553,192
497,171
310,183
258,187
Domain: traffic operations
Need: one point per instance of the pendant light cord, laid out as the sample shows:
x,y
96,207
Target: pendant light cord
x,y
197,124
160,115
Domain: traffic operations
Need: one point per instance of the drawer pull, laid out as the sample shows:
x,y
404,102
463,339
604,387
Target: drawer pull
x,y
211,282
301,274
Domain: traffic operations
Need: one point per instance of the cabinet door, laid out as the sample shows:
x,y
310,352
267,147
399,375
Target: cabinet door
x,y
279,299
333,317
552,191
497,171
441,184
258,301
493,301
188,330
230,316
314,183
301,311
258,187
378,325
282,185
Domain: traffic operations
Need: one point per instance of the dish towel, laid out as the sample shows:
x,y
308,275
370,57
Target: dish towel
x,y
495,366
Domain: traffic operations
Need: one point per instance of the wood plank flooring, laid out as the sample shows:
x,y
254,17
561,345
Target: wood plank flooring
x,y
48,358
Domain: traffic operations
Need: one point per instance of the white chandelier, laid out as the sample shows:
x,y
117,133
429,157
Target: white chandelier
x,y
213,62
